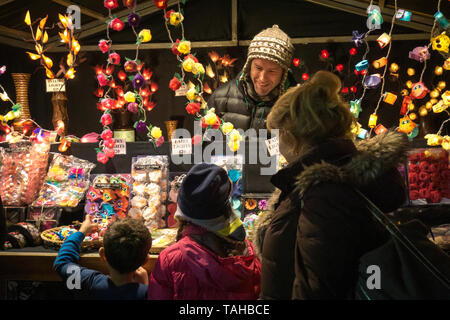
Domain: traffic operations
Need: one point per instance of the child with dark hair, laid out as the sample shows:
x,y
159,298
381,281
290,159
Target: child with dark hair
x,y
126,244
212,259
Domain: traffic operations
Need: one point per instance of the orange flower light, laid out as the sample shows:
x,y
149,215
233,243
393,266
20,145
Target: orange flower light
x,y
43,22
153,87
69,59
45,37
38,48
48,61
49,73
33,56
76,47
63,20
70,74
214,56
227,61
38,34
64,36
207,89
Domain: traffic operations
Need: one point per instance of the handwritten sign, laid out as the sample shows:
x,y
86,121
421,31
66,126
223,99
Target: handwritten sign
x,y
181,91
181,146
272,146
55,85
120,147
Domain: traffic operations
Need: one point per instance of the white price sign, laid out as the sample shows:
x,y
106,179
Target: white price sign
x,y
272,146
120,147
55,85
181,146
181,91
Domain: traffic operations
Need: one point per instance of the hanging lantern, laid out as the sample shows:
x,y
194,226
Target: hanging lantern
x,y
405,105
379,63
373,120
389,97
441,85
438,70
393,67
423,111
379,129
384,40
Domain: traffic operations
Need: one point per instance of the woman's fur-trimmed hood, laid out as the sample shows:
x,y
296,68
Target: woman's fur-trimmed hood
x,y
374,157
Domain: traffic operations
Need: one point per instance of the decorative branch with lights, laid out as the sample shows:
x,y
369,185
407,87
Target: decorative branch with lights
x,y
139,85
66,66
189,64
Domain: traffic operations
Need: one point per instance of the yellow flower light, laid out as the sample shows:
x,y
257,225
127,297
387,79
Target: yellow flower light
x,y
227,127
28,18
64,36
234,145
434,93
234,135
210,118
423,111
441,85
145,35
184,47
393,67
411,72
191,94
188,65
130,97
413,116
433,139
198,69
438,70
69,59
429,105
175,18
49,73
409,84
38,48
446,142
156,132
43,22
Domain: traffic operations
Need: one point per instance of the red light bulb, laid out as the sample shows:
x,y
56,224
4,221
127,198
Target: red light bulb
x,y
352,51
339,67
324,54
305,76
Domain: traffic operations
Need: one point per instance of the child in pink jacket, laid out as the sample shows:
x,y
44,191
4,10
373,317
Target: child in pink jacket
x,y
212,259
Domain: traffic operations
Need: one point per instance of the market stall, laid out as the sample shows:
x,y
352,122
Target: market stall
x,y
119,113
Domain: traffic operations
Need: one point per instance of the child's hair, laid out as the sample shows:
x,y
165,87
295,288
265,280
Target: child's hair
x,y
127,243
313,111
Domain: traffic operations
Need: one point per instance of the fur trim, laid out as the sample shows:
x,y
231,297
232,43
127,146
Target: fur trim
x,y
375,156
263,222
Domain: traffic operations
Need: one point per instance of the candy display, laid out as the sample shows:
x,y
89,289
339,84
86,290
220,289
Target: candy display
x,y
23,170
234,167
253,205
429,176
149,190
108,197
22,235
66,182
54,238
44,218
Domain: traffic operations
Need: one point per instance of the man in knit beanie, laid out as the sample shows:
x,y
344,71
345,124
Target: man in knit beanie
x,y
246,101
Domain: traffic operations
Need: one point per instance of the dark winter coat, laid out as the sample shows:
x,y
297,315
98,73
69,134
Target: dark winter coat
x,y
311,251
233,104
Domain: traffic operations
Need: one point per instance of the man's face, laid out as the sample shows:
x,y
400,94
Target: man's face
x,y
265,75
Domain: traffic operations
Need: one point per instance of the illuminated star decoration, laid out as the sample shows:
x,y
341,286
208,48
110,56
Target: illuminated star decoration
x,y
357,38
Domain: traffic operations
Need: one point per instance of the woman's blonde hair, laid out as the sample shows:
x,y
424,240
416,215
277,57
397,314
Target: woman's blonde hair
x,y
313,112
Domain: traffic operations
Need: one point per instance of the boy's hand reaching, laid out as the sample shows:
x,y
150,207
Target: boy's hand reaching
x,y
88,225
141,276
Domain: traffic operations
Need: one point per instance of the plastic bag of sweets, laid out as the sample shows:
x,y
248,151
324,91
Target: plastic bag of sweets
x,y
108,197
149,190
66,182
23,170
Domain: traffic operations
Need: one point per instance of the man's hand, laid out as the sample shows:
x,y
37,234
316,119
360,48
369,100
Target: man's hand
x,y
141,276
88,225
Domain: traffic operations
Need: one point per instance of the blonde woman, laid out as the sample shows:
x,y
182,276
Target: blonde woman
x,y
317,228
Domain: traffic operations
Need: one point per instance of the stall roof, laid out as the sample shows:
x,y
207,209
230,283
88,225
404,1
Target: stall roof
x,y
222,23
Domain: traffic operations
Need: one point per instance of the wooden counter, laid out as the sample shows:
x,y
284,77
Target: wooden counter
x,y
38,266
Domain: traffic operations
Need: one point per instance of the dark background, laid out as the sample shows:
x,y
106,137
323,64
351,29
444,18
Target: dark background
x,y
209,20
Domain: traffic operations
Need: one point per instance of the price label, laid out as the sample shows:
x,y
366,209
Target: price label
x,y
55,85
120,147
181,91
272,146
181,146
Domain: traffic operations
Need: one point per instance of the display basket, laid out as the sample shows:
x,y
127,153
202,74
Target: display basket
x,y
50,243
